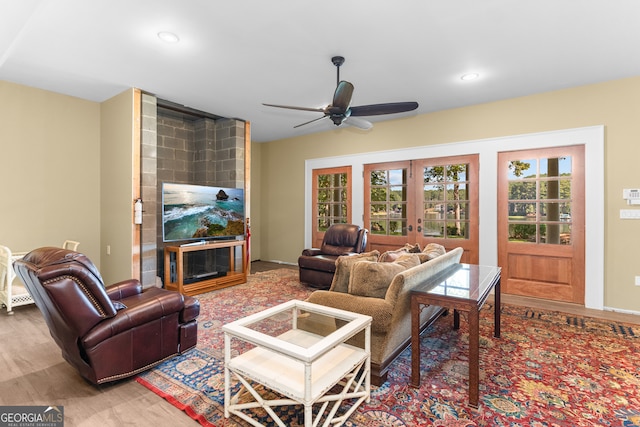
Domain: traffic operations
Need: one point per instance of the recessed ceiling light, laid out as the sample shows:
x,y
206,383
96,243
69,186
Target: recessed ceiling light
x,y
168,37
469,76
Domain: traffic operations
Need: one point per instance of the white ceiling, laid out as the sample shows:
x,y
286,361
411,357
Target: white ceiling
x,y
234,55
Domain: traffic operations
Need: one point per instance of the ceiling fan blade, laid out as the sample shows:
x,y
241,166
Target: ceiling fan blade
x,y
319,110
310,121
379,109
342,97
358,123
340,109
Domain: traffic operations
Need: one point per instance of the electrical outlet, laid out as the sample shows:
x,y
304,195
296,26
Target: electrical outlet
x,y
637,280
109,253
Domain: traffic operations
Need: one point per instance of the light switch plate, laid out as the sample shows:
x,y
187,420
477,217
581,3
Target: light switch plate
x,y
629,213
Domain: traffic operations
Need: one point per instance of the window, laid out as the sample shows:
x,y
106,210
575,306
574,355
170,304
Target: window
x,y
539,200
388,208
333,201
446,201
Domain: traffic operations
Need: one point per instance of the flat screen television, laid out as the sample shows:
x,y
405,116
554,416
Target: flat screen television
x,y
198,212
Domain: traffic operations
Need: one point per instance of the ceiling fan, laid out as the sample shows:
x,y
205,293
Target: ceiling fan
x,y
340,110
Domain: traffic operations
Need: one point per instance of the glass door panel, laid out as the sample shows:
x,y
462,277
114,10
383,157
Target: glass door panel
x,y
446,202
388,194
332,200
540,195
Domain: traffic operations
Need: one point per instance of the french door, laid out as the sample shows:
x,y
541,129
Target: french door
x,y
541,223
423,201
332,200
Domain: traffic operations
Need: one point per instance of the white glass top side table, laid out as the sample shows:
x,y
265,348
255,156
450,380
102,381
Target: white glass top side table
x,y
298,351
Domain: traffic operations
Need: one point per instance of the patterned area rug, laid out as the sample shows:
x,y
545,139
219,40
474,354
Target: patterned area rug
x,y
547,369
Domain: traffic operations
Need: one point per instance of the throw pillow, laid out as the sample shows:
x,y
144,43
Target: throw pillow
x,y
433,250
372,279
340,281
408,260
390,256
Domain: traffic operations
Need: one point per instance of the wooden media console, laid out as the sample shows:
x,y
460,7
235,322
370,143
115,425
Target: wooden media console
x,y
210,278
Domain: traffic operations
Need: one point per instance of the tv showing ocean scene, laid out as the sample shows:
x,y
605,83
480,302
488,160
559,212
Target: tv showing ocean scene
x,y
198,212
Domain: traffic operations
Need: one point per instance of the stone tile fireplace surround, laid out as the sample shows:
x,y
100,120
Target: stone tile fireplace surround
x,y
187,147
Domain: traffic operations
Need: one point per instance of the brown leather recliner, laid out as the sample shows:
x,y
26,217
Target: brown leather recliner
x,y
317,265
106,333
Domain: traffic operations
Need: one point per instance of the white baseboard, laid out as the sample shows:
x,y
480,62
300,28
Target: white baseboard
x,y
619,310
276,261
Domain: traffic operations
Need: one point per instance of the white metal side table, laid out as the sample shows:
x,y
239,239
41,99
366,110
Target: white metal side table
x,y
296,354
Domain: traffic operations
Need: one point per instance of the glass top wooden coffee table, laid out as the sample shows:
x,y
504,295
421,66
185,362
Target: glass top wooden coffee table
x,y
296,354
463,287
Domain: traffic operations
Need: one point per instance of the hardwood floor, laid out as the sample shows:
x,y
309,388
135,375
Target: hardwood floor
x,y
257,266
34,373
571,309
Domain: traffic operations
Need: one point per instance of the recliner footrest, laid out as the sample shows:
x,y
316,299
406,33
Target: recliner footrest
x,y
319,262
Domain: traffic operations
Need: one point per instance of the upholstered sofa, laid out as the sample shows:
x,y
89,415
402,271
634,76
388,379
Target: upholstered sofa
x,y
317,265
359,286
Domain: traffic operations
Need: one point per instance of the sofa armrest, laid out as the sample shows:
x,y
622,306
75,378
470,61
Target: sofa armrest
x,y
124,289
311,252
380,310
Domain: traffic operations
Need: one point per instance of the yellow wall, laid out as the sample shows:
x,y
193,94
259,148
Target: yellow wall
x,y
66,173
614,104
116,189
49,169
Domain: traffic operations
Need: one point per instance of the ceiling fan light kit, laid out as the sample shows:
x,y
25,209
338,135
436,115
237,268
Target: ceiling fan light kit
x,y
340,110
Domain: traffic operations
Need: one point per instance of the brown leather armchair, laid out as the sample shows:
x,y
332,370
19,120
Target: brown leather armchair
x,y
106,333
317,265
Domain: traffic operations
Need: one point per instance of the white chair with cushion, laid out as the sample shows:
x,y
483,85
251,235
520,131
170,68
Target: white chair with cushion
x,y
12,291
71,245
